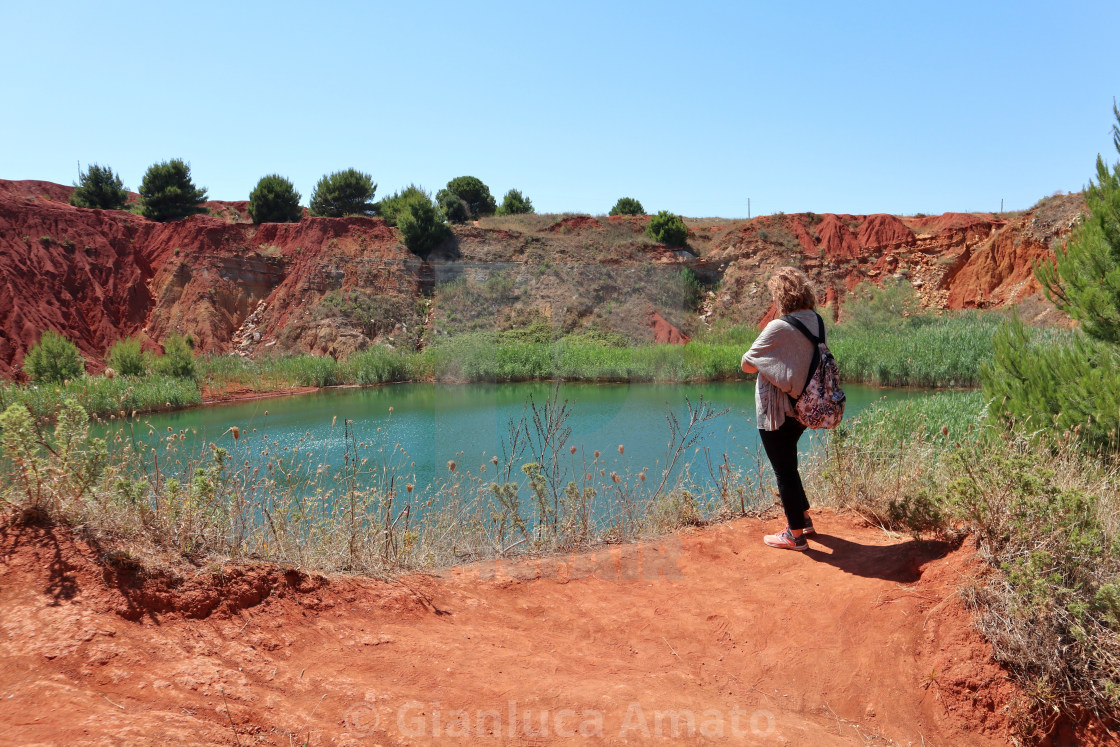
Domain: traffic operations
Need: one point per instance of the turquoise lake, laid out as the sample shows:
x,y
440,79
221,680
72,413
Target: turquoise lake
x,y
414,430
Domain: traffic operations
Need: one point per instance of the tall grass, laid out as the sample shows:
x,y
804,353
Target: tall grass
x,y
104,397
917,352
941,352
480,357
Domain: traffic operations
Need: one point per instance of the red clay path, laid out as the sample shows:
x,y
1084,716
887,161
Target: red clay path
x,y
706,637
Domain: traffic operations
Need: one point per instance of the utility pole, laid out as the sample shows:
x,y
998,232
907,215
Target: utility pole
x,y
748,208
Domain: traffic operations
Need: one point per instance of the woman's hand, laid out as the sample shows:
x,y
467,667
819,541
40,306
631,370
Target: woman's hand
x,y
748,368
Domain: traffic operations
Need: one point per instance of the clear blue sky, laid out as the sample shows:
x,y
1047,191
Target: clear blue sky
x,y
692,107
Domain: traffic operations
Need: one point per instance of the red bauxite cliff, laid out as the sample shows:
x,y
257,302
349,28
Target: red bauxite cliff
x,y
99,275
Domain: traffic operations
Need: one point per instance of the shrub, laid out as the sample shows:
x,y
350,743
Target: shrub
x,y
44,478
99,187
627,206
167,192
692,290
127,358
474,193
514,203
453,207
375,314
420,225
667,228
274,200
348,192
390,207
882,308
53,359
177,358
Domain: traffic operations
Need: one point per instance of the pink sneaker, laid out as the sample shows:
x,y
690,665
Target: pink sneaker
x,y
786,541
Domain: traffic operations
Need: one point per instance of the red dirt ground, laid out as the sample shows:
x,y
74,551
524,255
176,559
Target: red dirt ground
x,y
861,640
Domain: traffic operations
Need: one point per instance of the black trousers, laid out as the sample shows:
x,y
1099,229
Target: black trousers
x,y
781,448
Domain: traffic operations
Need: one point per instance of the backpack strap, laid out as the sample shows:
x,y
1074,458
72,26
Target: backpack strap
x,y
793,322
790,320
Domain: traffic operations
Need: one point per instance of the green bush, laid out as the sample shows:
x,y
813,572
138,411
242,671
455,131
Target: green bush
x,y
274,200
667,228
48,478
53,359
167,192
453,207
474,193
514,203
390,207
375,314
692,290
348,192
891,306
420,226
99,187
177,358
627,206
127,358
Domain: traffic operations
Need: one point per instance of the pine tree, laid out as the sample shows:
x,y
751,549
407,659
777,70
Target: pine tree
x,y
346,192
274,200
515,203
1084,282
1073,385
99,187
167,192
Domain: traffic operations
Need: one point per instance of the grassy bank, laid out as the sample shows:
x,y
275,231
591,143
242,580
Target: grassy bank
x,y
928,352
117,397
935,352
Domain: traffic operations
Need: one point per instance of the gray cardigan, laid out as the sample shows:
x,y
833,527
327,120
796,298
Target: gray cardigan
x,y
782,356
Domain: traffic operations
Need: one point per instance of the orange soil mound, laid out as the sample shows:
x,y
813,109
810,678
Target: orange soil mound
x,y
665,333
882,232
861,638
837,242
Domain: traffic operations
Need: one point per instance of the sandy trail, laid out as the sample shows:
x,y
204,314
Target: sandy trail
x,y
704,637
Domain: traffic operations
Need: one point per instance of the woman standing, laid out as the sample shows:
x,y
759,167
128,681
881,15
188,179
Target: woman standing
x,y
781,356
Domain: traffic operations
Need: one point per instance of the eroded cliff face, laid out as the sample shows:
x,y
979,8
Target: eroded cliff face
x,y
99,275
954,260
334,286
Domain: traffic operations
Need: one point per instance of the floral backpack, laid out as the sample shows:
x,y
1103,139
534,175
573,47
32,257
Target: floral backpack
x,y
821,404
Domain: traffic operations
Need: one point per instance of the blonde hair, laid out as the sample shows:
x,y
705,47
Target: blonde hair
x,y
792,290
